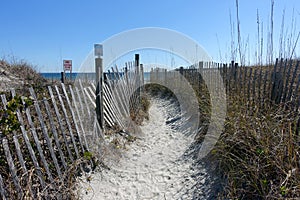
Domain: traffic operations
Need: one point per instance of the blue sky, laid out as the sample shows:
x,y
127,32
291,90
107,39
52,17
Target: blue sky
x,y
45,32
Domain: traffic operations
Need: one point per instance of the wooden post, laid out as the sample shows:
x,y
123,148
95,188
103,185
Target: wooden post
x,y
293,81
287,81
181,73
138,84
62,77
99,90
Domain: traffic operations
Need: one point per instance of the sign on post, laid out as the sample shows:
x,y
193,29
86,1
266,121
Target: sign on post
x,y
98,50
67,65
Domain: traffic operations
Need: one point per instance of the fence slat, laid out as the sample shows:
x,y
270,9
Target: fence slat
x,y
73,116
59,119
259,85
253,87
12,168
84,98
292,81
2,190
45,132
67,121
121,91
37,142
280,81
79,118
249,84
81,108
86,90
287,82
56,139
16,141
115,110
28,144
263,102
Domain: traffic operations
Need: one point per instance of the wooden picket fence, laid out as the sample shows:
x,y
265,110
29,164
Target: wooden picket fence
x,y
259,89
265,86
122,93
52,133
268,85
57,126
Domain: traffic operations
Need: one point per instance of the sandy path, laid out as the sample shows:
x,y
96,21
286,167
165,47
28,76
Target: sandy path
x,y
152,168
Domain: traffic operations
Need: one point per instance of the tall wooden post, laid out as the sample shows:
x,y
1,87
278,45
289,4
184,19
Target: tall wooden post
x,y
62,77
138,83
99,81
181,73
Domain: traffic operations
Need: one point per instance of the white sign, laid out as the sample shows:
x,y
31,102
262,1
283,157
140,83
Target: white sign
x,y
98,50
67,65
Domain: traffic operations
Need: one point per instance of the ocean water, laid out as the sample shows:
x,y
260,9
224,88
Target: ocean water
x,y
85,76
57,76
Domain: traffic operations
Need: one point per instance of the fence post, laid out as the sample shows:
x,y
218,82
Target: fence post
x,y
99,81
138,79
62,77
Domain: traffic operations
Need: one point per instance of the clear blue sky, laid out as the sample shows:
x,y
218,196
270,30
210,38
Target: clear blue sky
x,y
45,32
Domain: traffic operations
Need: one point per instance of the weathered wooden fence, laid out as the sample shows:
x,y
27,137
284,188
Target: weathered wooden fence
x,y
258,88
44,133
121,94
53,128
277,84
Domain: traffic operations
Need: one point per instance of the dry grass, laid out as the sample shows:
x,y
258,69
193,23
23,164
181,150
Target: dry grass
x,y
20,75
258,153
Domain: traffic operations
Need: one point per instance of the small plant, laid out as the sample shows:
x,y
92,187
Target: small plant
x,y
283,190
88,155
8,118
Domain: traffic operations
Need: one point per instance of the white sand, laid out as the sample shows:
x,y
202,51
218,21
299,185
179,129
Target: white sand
x,y
152,168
